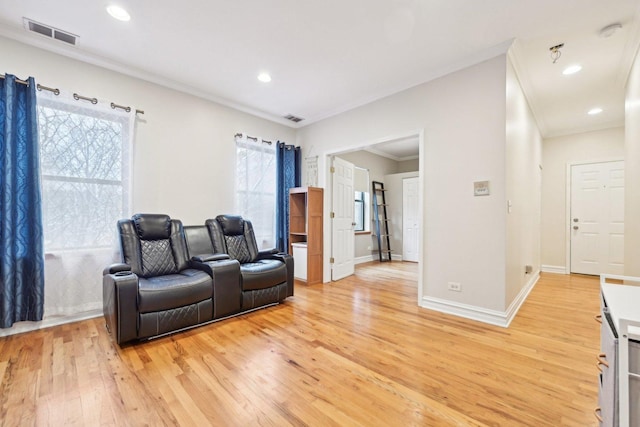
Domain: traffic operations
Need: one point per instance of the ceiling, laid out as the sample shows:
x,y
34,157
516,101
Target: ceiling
x,y
400,149
326,57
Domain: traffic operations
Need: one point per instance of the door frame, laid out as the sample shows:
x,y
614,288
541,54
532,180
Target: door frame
x,y
567,207
421,189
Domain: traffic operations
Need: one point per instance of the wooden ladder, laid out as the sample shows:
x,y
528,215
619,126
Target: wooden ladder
x,y
381,221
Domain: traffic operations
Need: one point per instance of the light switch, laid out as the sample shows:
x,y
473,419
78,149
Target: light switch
x,y
481,188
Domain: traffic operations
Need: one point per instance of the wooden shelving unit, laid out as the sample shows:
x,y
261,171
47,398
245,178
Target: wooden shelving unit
x,y
305,232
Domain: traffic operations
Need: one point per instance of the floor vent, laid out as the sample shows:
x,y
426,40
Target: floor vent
x,y
293,118
50,32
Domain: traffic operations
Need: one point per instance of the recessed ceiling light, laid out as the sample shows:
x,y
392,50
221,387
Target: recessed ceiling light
x,y
572,69
119,13
264,77
595,111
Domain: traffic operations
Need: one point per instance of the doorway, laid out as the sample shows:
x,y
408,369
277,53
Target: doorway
x,y
378,148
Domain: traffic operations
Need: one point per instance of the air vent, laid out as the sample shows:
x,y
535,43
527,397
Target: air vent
x,y
293,118
49,31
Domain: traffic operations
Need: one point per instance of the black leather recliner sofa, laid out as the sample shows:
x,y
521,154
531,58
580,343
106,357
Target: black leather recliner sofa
x,y
264,275
174,277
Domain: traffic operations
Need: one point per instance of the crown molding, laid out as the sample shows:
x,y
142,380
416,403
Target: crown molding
x,y
632,46
74,52
522,74
461,64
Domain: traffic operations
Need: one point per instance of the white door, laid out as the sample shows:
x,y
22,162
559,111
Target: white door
x,y
597,218
342,234
410,224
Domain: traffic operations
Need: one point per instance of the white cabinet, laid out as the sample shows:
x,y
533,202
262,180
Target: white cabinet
x,y
299,251
619,358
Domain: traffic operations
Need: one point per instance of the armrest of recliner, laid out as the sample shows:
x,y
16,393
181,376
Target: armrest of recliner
x,y
267,252
272,254
288,262
117,268
227,285
120,303
209,257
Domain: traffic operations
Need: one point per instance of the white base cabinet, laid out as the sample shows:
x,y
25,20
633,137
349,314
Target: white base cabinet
x,y
299,251
619,357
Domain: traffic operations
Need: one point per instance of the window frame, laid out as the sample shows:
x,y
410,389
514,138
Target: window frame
x,y
265,239
125,135
359,211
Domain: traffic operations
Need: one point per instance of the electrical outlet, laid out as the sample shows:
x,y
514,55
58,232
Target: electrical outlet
x,y
454,286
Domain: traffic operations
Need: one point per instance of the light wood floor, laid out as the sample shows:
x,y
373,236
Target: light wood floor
x,y
355,352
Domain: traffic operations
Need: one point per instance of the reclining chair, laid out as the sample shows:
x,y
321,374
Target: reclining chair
x,y
155,291
266,276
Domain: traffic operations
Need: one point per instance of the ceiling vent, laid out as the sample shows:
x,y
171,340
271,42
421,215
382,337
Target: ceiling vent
x,y
50,32
293,118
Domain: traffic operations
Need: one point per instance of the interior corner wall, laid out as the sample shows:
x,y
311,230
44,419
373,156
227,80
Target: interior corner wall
x,y
632,172
408,166
557,153
523,175
462,116
184,149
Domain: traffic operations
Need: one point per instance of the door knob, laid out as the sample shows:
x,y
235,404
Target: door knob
x,y
575,219
575,227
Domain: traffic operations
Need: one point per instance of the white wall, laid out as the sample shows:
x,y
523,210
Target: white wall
x,y
523,175
632,172
557,153
184,150
408,166
462,116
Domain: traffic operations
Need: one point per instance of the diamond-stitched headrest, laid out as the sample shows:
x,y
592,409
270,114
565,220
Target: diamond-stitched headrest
x,y
152,226
231,225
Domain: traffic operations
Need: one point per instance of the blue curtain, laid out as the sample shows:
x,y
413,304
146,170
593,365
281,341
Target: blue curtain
x,y
21,241
287,176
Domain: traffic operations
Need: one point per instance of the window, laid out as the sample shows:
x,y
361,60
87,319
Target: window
x,y
359,211
362,209
85,166
256,188
85,173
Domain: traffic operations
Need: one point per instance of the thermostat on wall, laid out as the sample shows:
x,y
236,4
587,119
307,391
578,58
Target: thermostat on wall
x,y
481,188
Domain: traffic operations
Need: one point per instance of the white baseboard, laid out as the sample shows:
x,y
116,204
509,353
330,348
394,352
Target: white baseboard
x,y
480,314
363,259
558,269
47,322
517,302
372,257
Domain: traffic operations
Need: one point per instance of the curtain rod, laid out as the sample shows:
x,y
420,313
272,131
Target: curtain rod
x,y
77,97
239,135
22,82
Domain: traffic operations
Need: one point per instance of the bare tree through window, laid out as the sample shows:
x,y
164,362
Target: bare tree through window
x,y
83,176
